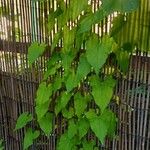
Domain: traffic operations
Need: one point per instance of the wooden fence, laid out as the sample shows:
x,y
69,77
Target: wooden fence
x,y
24,21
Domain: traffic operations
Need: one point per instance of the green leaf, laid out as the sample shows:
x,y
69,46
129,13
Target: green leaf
x,y
120,5
68,113
97,52
23,119
72,129
34,51
66,142
53,60
102,91
118,23
71,82
69,37
91,115
51,71
86,24
46,123
83,127
89,20
80,104
98,125
43,93
51,18
51,21
1,144
29,137
111,120
83,68
123,58
42,109
80,38
76,8
56,39
99,15
57,83
67,59
88,145
62,102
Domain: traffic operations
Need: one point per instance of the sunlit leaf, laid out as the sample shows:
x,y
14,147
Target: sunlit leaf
x,y
99,15
69,37
51,71
53,60
123,58
71,82
67,59
88,145
43,93
86,24
98,51
83,127
29,137
111,120
66,142
76,8
46,123
83,68
56,39
72,129
52,16
98,125
62,101
57,84
80,104
23,119
118,24
42,109
68,113
102,91
34,51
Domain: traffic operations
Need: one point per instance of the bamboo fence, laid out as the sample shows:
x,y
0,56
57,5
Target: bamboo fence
x,y
23,22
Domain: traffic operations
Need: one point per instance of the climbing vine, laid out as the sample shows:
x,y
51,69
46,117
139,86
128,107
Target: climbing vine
x,y
76,73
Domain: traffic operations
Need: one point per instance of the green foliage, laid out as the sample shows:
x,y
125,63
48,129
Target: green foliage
x,y
83,68
62,102
100,88
110,119
43,93
120,5
66,142
23,119
88,145
98,51
83,127
76,8
1,145
68,36
126,28
68,113
103,124
80,104
123,60
43,99
56,39
98,126
71,81
29,137
34,51
46,123
82,80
